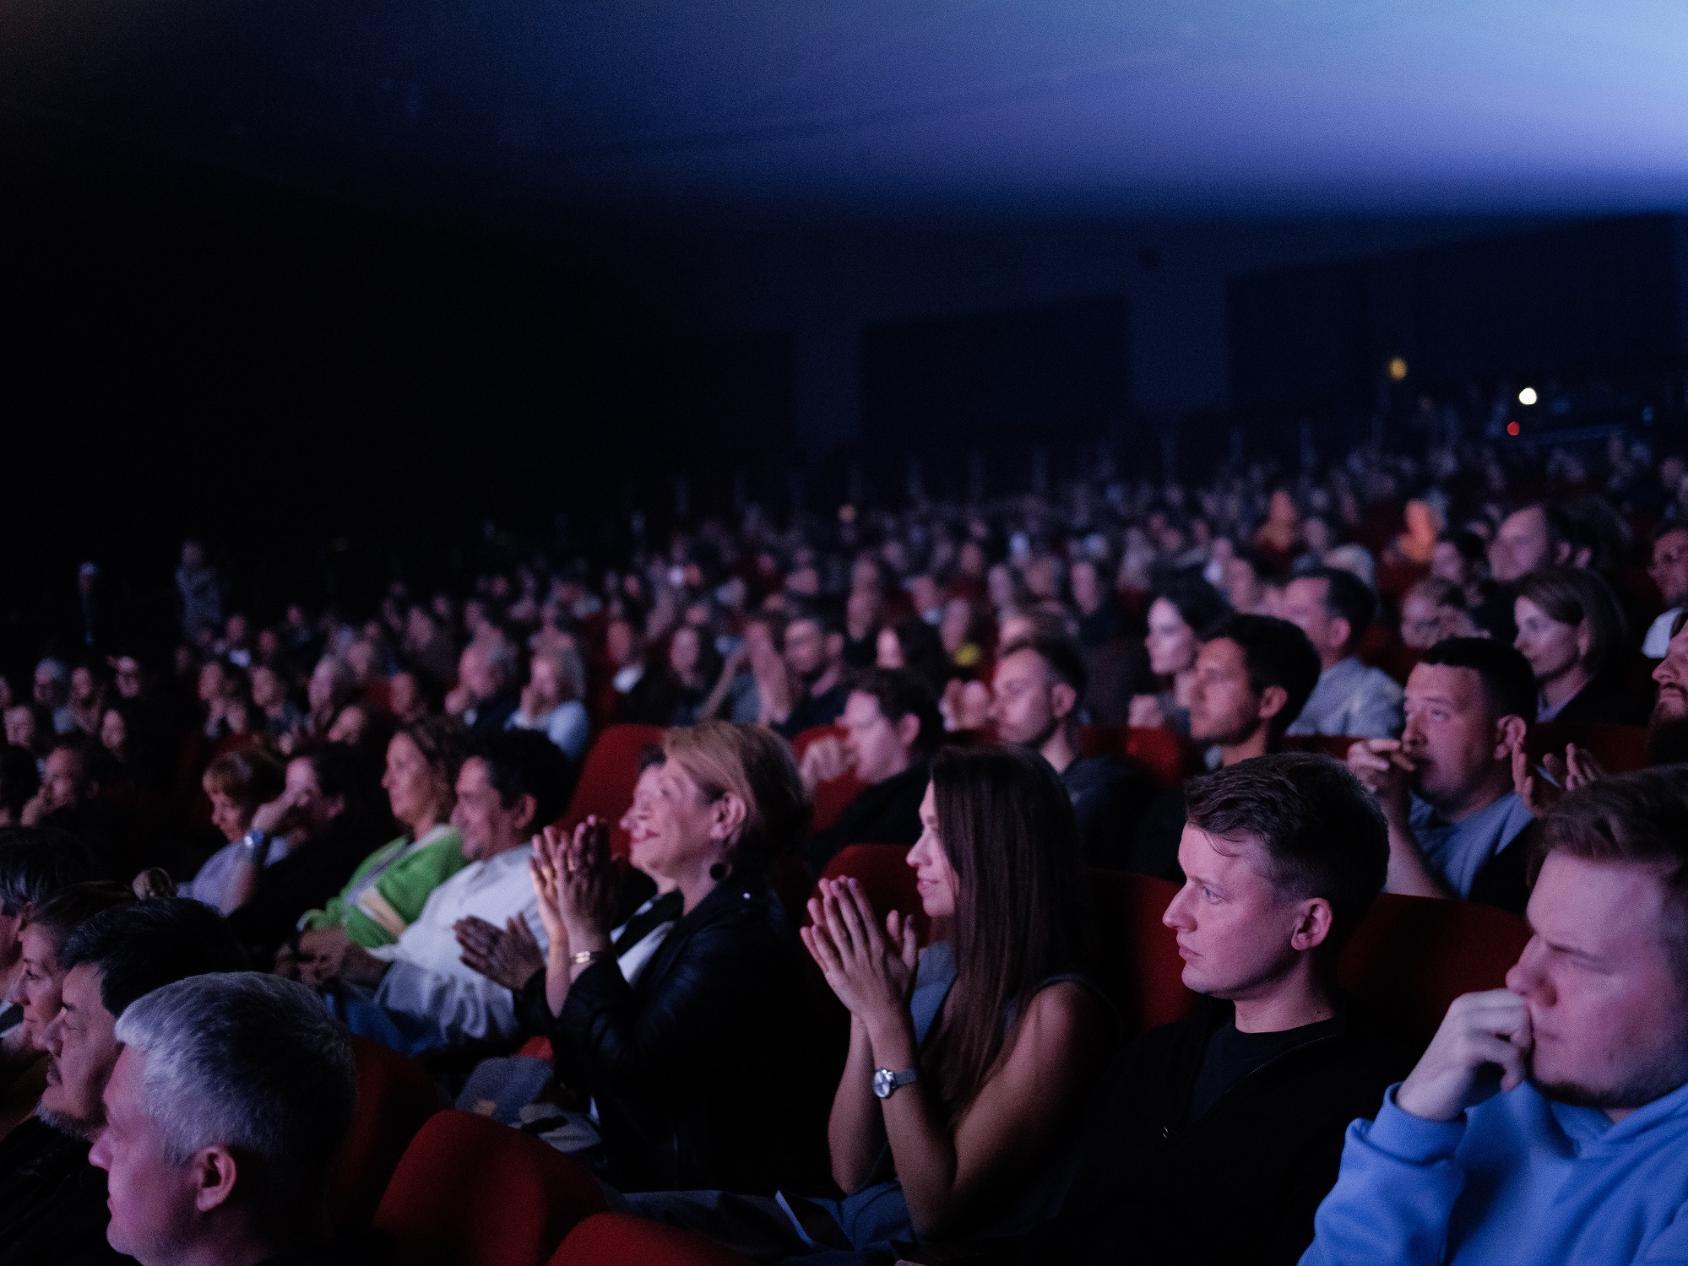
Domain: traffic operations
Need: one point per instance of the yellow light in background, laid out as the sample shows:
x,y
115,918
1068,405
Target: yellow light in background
x,y
1397,369
1527,396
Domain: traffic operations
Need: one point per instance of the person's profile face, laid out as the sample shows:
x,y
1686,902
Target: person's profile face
x,y
1608,1013
37,985
151,1195
1233,925
81,1049
934,876
1170,642
1223,706
1021,707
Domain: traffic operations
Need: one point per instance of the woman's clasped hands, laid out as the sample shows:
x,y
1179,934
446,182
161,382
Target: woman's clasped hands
x,y
871,970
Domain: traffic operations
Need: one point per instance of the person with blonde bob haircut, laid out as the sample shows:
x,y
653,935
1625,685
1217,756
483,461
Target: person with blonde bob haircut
x,y
693,1067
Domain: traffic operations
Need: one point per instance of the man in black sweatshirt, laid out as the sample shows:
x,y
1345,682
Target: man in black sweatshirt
x,y
1218,1135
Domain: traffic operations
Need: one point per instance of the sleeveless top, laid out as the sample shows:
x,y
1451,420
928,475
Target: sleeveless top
x,y
876,1215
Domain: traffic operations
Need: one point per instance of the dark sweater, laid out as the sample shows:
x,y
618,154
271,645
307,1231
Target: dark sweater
x,y
1238,1182
52,1201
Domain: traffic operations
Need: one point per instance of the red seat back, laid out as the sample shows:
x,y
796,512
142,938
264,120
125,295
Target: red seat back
x,y
472,1192
1167,756
620,1239
608,777
1139,953
833,796
1412,956
395,1098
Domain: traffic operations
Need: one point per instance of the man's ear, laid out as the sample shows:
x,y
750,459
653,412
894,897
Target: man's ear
x,y
214,1173
1509,736
1341,633
1062,700
1312,924
1585,640
527,813
1272,701
908,730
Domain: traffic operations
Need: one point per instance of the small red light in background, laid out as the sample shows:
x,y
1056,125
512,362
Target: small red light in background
x,y
1512,428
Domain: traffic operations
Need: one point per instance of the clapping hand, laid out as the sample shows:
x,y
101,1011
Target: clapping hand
x,y
508,956
586,885
871,971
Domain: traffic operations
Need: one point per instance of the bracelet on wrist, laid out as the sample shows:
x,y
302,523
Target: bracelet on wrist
x,y
581,958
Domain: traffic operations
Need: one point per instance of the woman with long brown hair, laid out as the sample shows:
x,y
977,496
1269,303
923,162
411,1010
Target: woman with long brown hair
x,y
969,1064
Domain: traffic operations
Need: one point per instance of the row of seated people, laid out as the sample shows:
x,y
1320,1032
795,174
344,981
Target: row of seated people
x,y
981,1103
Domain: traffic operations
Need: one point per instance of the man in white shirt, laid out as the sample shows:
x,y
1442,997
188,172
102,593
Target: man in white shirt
x,y
417,994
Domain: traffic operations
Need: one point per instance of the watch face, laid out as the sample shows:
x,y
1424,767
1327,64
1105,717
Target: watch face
x,y
884,1082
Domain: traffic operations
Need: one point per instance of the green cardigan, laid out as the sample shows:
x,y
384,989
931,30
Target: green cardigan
x,y
390,887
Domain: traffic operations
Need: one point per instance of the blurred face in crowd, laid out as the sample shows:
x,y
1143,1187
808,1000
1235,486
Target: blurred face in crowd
x,y
924,593
1027,703
805,649
956,624
49,687
404,695
1672,678
1461,759
685,651
312,812
268,693
888,649
213,681
231,817
1421,619
488,826
1170,642
82,1049
1554,649
1521,545
38,982
1087,585
877,746
114,732
65,781
1304,607
238,630
1447,563
934,876
361,658
861,611
84,685
21,729
127,674
1669,566
416,792
619,643
1608,1011
545,681
1241,584
1223,706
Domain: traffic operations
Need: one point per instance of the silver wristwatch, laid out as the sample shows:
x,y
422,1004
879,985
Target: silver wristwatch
x,y
886,1082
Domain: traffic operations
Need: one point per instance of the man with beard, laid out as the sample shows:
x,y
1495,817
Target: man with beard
x,y
1582,1155
55,1202
1667,728
1446,785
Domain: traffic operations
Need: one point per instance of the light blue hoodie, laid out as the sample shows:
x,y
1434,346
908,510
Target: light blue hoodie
x,y
1521,1179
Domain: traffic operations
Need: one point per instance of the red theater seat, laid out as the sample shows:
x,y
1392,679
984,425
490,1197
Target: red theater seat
x,y
395,1098
619,1239
608,777
1166,755
1412,956
472,1192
